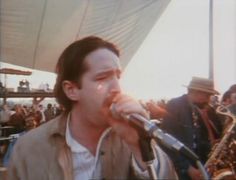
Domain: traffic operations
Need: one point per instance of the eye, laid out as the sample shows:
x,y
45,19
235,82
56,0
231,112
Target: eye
x,y
101,78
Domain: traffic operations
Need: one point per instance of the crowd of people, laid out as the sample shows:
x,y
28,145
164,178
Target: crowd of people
x,y
20,119
16,115
91,137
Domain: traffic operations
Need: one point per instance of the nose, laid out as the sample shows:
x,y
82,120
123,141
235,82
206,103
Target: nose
x,y
115,85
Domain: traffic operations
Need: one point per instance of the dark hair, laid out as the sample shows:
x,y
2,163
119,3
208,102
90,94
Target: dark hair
x,y
233,88
71,66
226,95
49,106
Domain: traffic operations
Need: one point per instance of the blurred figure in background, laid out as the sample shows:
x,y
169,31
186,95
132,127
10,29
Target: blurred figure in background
x,y
229,99
41,110
5,114
192,121
156,110
17,120
49,113
233,88
214,101
232,106
226,100
31,122
56,110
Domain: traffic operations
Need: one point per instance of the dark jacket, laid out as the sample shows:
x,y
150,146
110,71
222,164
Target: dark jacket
x,y
179,122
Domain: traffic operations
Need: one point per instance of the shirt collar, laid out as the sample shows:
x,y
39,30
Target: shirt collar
x,y
75,146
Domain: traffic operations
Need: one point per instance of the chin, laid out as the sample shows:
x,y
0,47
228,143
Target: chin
x,y
103,124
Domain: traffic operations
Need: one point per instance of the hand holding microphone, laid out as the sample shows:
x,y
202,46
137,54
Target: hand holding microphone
x,y
137,117
120,110
119,107
124,111
155,132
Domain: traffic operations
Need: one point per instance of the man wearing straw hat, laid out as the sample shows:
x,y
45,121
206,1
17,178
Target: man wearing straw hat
x,y
192,121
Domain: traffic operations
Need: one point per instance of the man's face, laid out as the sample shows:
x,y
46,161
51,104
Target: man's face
x,y
201,99
30,123
101,78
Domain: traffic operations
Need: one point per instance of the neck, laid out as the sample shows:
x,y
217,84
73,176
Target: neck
x,y
84,132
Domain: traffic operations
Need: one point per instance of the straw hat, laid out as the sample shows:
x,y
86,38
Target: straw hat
x,y
202,84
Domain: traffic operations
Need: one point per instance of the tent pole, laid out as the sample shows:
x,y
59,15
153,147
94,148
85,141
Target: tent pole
x,y
5,80
211,50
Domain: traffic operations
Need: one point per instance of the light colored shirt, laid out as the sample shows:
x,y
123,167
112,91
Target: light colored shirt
x,y
80,154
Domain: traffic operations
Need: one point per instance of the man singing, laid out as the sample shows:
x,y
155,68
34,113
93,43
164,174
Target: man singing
x,y
86,141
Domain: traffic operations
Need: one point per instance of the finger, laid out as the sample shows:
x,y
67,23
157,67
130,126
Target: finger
x,y
122,100
131,107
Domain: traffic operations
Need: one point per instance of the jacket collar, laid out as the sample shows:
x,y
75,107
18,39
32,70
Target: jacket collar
x,y
57,133
59,127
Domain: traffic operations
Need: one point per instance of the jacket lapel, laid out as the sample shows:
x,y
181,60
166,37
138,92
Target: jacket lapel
x,y
64,156
116,158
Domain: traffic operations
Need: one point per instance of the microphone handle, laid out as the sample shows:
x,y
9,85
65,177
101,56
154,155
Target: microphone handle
x,y
149,128
165,139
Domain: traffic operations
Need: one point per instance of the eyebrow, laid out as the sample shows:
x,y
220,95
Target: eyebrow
x,y
108,71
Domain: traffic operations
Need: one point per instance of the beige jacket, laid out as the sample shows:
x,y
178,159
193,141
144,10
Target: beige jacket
x,y
42,154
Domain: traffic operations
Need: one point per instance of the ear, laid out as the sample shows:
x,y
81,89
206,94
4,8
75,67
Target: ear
x,y
71,90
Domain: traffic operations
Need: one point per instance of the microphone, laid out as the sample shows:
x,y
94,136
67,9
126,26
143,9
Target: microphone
x,y
155,132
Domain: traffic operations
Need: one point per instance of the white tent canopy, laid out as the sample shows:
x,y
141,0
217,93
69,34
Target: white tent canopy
x,y
34,33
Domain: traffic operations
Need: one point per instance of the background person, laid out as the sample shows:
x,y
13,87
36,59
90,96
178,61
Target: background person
x,y
192,121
